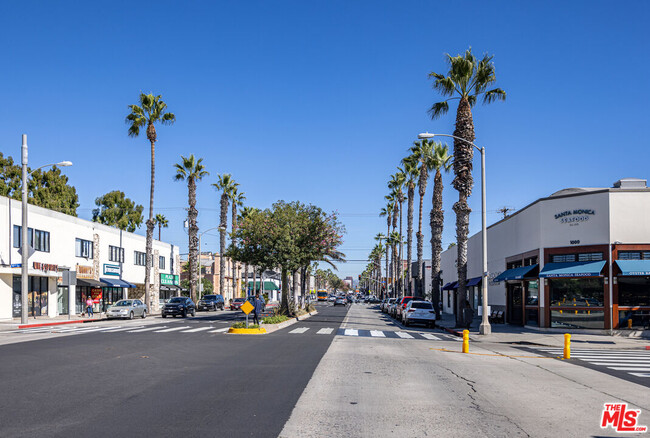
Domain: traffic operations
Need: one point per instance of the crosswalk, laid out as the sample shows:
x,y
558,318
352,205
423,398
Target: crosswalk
x,y
116,329
383,334
633,362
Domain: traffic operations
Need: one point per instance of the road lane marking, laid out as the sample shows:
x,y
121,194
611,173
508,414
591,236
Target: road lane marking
x,y
300,330
641,374
430,336
404,335
377,334
172,329
631,368
146,329
351,332
200,329
325,331
221,330
123,329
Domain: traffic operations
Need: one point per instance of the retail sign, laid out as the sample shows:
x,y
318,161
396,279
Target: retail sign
x,y
111,269
96,295
85,272
45,267
574,217
169,280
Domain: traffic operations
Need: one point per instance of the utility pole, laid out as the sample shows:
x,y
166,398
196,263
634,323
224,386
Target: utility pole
x,y
504,211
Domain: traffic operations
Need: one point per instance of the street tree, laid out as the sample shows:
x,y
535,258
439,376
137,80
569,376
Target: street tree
x,y
192,170
412,172
396,185
116,210
468,79
150,111
236,200
227,185
442,162
162,222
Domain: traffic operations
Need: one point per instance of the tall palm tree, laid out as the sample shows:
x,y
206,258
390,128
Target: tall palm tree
x,y
245,212
423,153
394,241
192,170
412,172
162,222
467,79
227,186
152,110
380,237
388,212
237,200
396,184
442,161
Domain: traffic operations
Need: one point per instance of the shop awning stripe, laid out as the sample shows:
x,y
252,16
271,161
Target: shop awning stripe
x,y
514,273
634,267
115,282
88,282
451,285
572,269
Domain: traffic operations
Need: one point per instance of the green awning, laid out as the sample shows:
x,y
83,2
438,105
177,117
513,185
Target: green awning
x,y
268,285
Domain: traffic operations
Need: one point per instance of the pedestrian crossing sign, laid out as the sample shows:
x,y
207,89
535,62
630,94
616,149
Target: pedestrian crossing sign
x,y
247,307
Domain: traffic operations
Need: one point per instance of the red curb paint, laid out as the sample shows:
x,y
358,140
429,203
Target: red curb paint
x,y
79,321
647,347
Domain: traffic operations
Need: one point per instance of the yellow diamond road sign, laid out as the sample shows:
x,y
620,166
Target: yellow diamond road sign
x,y
247,307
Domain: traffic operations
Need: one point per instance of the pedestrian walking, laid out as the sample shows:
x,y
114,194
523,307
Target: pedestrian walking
x,y
258,308
468,315
89,306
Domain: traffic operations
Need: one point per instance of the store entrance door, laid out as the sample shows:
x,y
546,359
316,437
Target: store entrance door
x,y
515,304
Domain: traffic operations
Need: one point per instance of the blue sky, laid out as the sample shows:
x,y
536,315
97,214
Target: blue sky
x,y
319,101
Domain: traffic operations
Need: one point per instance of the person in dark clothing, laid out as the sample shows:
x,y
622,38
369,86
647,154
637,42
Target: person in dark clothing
x,y
468,315
258,308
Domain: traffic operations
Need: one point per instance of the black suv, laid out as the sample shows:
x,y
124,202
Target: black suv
x,y
179,306
211,302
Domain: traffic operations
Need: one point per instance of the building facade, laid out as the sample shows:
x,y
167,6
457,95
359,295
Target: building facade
x,y
579,258
109,264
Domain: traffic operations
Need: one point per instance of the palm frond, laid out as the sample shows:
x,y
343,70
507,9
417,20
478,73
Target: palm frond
x,y
439,109
494,95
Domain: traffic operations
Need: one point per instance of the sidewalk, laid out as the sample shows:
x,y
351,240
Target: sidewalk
x,y
42,321
512,334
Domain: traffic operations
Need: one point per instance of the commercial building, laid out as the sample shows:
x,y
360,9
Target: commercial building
x,y
109,263
579,258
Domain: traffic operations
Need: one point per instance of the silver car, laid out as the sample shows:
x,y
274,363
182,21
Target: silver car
x,y
127,309
419,312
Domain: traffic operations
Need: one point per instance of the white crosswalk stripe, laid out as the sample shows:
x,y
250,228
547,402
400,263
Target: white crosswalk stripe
x,y
633,362
429,336
377,334
299,330
221,330
351,332
123,329
146,329
325,331
173,329
199,329
404,335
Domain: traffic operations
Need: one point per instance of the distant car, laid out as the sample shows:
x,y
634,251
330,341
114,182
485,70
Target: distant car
x,y
179,306
399,309
419,312
211,302
340,301
331,298
382,304
392,307
237,303
375,300
127,309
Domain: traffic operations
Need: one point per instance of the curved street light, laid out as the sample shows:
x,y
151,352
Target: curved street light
x,y
485,328
24,247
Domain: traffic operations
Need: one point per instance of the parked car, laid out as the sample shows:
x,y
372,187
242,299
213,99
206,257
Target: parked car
x,y
389,302
127,309
399,309
237,303
211,302
392,307
179,306
382,304
419,312
340,301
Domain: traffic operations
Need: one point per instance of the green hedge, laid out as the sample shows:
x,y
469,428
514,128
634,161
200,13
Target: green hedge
x,y
243,325
275,319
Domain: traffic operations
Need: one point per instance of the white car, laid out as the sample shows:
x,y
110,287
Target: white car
x,y
419,312
127,309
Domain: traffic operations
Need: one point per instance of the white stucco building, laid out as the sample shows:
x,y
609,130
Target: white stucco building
x,y
578,258
109,263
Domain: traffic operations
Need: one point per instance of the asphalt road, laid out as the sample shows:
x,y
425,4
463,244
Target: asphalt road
x,y
162,384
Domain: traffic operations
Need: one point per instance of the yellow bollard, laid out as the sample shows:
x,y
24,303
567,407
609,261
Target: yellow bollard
x,y
567,346
465,341
629,323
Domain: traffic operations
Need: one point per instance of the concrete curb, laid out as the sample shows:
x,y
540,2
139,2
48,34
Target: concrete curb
x,y
270,328
247,331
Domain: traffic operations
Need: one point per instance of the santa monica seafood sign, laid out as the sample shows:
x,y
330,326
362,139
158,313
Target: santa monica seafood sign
x,y
574,216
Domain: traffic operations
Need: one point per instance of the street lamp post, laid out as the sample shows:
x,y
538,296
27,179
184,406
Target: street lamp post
x,y
24,247
484,328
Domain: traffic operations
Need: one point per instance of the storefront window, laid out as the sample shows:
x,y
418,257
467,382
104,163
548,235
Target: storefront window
x,y
532,317
62,300
640,318
588,319
532,293
110,296
576,292
634,291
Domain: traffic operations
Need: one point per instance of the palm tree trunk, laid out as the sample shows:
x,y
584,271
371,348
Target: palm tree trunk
x,y
409,236
296,286
387,252
284,307
246,277
194,243
463,182
420,238
436,221
159,230
222,244
150,227
236,292
400,266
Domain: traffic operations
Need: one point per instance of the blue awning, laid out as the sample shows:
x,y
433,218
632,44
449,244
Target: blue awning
x,y
634,267
116,282
451,285
514,273
473,281
572,269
